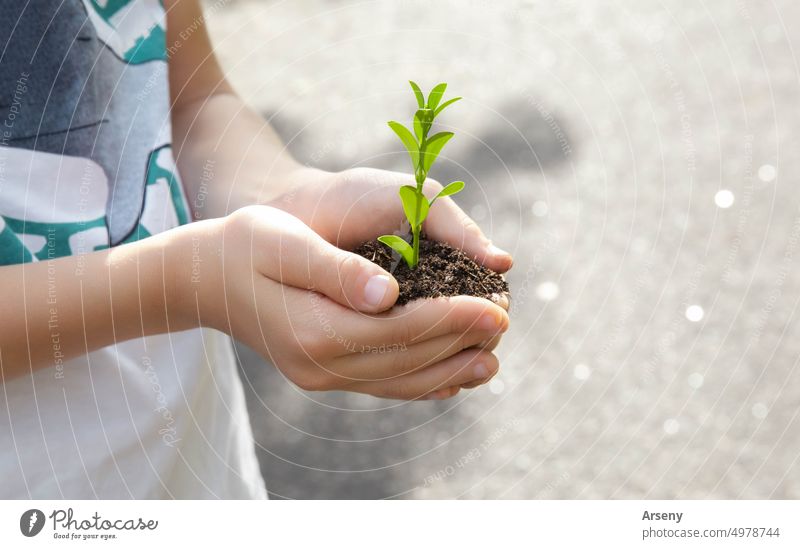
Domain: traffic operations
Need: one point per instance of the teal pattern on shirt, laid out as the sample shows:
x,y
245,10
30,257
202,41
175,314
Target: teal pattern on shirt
x,y
135,31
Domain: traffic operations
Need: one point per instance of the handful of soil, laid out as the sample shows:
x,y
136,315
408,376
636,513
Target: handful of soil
x,y
442,271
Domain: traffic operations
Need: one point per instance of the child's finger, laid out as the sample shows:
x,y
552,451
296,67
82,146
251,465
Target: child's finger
x,y
460,369
491,343
421,320
478,382
502,300
442,394
383,363
448,223
286,250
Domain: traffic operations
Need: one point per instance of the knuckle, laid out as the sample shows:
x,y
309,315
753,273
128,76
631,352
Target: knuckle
x,y
349,270
297,372
243,216
311,343
247,223
311,378
308,342
401,332
239,223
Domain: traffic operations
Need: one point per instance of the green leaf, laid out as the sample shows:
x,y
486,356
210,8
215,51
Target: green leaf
x,y
436,95
418,94
452,188
400,246
432,149
408,140
444,105
418,126
410,198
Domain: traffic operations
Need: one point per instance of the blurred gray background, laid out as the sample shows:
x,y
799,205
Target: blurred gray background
x,y
640,160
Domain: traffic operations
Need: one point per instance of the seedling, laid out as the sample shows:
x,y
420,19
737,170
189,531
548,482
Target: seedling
x,y
423,151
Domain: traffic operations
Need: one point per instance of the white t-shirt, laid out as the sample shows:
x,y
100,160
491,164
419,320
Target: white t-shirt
x,y
86,163
159,417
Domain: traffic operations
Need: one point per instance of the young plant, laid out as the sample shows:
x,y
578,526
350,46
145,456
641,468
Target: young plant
x,y
423,150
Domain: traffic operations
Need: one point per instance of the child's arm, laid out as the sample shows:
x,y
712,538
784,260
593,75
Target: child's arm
x,y
55,310
225,152
248,274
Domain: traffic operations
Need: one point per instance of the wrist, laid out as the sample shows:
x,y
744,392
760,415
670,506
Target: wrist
x,y
193,274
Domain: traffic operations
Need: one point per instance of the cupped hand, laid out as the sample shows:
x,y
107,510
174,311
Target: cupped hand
x,y
355,205
314,310
352,206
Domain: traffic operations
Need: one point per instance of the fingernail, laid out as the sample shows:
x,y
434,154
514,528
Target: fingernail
x,y
481,371
375,290
488,322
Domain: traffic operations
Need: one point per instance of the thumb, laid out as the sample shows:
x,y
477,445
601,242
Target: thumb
x,y
350,279
297,256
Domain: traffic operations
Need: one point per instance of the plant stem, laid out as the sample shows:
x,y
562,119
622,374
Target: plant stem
x,y
415,230
420,177
415,256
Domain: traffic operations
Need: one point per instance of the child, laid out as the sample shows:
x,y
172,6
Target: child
x,y
145,213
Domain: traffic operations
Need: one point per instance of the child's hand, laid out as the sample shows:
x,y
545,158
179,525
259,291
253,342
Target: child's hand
x,y
252,273
350,207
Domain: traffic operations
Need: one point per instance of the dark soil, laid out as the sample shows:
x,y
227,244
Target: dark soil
x,y
442,271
